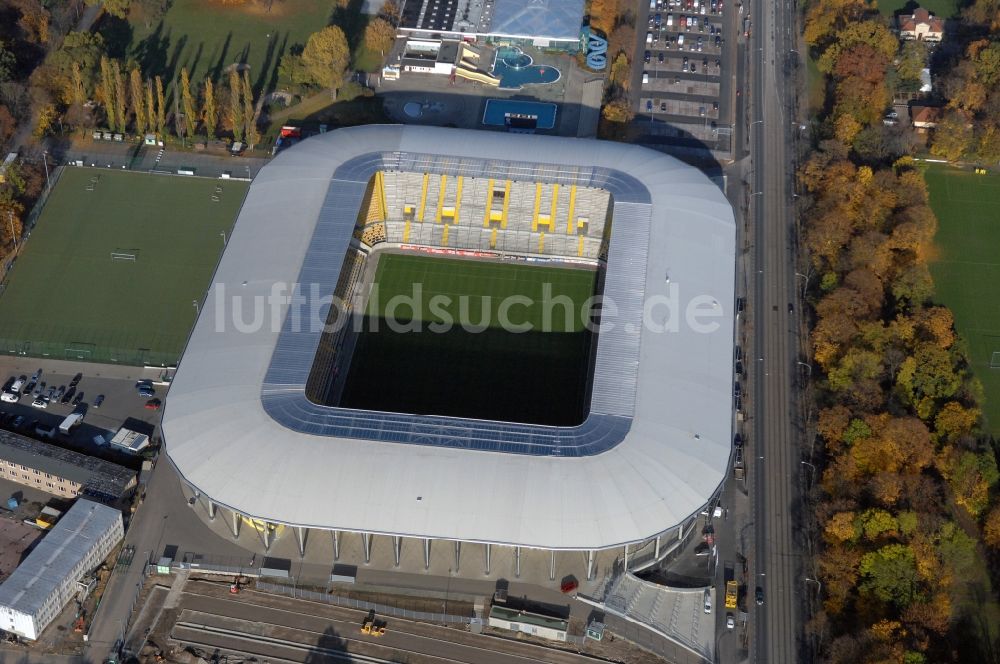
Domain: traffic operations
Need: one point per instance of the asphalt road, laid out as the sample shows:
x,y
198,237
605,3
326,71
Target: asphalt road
x,y
777,468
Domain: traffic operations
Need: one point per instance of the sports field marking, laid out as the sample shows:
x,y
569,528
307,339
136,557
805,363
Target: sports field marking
x,y
109,275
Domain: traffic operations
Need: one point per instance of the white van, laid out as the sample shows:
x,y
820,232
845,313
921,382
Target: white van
x,y
708,600
645,78
649,37
670,20
72,420
680,41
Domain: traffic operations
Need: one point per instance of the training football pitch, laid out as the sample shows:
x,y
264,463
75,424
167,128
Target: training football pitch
x,y
67,297
967,269
476,367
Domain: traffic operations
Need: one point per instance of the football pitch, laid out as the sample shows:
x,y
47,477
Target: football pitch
x,y
967,269
115,265
475,367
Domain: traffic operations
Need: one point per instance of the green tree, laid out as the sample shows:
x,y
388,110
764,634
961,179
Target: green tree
x,y
211,113
971,477
326,57
7,63
292,69
912,60
890,574
187,103
79,51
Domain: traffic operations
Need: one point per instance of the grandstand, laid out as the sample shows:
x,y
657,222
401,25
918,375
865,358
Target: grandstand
x,y
486,214
652,445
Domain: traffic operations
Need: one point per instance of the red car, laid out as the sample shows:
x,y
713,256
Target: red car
x,y
153,404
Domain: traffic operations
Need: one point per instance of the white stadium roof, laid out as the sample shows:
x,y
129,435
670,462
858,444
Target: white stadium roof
x,y
654,449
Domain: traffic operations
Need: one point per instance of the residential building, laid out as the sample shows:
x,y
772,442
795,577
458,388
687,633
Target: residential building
x,y
921,25
925,117
46,580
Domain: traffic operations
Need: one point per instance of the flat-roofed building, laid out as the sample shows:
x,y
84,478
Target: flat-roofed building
x,y
32,597
59,471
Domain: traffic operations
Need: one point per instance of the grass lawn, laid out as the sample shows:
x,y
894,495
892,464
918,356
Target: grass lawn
x,y
967,270
67,298
206,37
815,85
942,8
492,373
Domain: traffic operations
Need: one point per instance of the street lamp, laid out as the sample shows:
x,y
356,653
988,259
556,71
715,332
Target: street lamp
x,y
194,303
818,583
45,160
13,235
807,366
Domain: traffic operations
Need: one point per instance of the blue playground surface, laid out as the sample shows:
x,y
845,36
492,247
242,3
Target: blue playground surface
x,y
497,111
514,68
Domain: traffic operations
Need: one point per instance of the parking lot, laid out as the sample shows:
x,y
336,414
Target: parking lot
x,y
117,386
684,72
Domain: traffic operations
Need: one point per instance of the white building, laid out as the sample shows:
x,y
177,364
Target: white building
x,y
47,579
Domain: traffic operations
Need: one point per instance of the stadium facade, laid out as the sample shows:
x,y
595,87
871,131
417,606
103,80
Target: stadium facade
x,y
245,432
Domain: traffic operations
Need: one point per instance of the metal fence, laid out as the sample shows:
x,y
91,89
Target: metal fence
x,y
362,605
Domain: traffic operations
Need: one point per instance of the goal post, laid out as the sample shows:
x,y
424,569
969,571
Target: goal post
x,y
122,256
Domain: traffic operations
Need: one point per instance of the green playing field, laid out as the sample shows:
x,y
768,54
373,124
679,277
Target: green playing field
x,y
479,366
967,269
69,298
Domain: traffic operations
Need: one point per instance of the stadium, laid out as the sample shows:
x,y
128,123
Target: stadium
x,y
609,429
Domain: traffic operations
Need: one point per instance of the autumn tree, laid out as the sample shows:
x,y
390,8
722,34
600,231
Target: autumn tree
x,y
117,8
187,103
107,91
249,112
326,57
119,96
211,112
161,110
151,109
235,109
379,35
953,136
73,68
137,100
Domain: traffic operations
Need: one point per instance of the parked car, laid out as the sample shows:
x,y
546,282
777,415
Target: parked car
x,y
153,404
146,392
18,422
730,621
69,395
76,380
37,392
663,106
759,596
660,58
59,393
40,402
98,400
647,57
79,399
708,601
738,440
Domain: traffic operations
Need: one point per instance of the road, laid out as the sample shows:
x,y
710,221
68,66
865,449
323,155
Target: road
x,y
777,467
